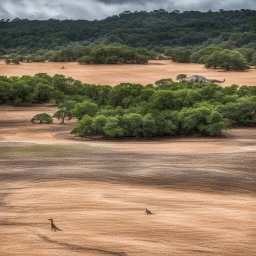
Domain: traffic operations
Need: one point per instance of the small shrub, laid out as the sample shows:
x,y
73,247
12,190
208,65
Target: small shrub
x,y
42,118
7,61
181,77
15,61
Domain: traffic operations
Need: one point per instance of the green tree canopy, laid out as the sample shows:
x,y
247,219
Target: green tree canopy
x,y
227,59
42,118
86,107
134,110
64,111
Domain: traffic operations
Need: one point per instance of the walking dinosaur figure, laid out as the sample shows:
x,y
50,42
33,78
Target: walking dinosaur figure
x,y
148,211
53,227
202,79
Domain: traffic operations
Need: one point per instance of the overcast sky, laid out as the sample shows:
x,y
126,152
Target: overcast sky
x,y
98,9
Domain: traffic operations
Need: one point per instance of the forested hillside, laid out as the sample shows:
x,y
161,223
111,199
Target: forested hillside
x,y
230,29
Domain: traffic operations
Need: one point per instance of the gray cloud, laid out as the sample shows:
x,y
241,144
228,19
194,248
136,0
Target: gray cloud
x,y
98,9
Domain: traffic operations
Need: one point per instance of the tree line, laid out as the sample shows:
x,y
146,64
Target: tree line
x,y
211,56
214,57
133,110
104,54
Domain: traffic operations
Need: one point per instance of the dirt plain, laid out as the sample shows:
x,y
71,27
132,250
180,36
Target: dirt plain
x,y
115,74
201,192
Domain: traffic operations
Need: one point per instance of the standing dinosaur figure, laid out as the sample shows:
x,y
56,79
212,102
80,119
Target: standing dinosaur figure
x,y
148,211
53,227
202,79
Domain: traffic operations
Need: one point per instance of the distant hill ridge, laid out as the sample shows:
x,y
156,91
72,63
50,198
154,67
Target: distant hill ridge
x,y
156,29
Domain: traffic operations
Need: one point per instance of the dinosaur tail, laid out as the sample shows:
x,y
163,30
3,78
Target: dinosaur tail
x,y
215,81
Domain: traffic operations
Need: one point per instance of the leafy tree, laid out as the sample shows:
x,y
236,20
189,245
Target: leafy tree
x,y
64,111
202,120
23,51
149,126
214,60
163,83
84,108
105,54
5,91
42,118
7,61
165,126
179,54
44,76
201,55
37,59
85,60
254,59
98,123
247,53
42,93
84,127
215,124
15,61
58,96
227,59
112,128
141,59
132,124
163,99
242,112
181,77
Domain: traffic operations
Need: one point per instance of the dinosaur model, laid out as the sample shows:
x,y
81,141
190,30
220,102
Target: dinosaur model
x,y
148,211
202,79
53,227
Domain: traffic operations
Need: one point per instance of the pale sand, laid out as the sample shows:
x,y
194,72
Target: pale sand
x,y
115,74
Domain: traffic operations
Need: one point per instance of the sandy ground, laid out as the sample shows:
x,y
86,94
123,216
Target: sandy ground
x,y
201,192
115,74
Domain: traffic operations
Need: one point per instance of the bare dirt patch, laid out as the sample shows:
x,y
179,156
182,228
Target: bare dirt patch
x,y
115,74
201,192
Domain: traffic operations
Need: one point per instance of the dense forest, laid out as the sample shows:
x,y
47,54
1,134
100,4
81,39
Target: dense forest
x,y
133,110
229,29
190,36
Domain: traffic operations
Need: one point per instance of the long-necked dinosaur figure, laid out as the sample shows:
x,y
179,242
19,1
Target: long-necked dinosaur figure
x,y
53,227
202,79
